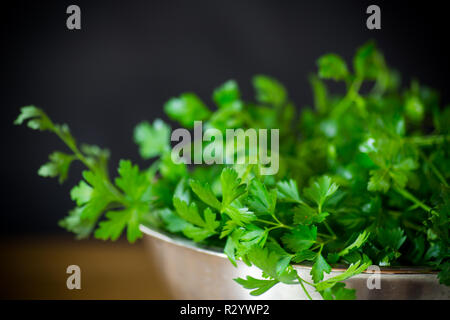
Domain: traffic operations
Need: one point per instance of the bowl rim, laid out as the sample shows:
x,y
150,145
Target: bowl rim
x,y
218,252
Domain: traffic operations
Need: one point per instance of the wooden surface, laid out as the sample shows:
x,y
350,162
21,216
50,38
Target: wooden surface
x,y
35,268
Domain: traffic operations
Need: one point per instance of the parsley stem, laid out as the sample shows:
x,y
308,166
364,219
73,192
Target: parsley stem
x,y
324,235
427,140
73,147
321,247
345,103
433,168
276,219
300,280
308,283
272,228
279,225
268,222
247,171
411,225
412,198
329,229
116,193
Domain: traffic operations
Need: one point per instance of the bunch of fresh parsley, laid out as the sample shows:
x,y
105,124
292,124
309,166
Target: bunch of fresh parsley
x,y
363,179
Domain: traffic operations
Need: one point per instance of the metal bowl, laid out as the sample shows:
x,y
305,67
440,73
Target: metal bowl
x,y
192,271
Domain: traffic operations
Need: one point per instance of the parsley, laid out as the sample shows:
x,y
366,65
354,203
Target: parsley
x,y
363,179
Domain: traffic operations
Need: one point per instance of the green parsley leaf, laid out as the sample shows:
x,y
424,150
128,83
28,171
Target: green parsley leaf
x,y
288,191
359,241
304,255
197,234
319,267
99,198
76,224
321,190
153,140
173,222
58,166
300,238
379,181
132,182
186,109
205,194
261,286
339,292
391,238
332,66
273,264
37,119
189,213
230,250
261,200
352,270
227,95
304,214
239,215
81,193
368,62
231,186
269,91
117,221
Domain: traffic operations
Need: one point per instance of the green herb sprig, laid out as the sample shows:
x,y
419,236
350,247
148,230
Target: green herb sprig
x,y
363,179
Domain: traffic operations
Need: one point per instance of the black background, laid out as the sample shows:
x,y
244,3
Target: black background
x,y
131,56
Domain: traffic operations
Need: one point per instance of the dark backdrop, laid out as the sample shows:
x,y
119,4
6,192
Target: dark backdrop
x,y
131,56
